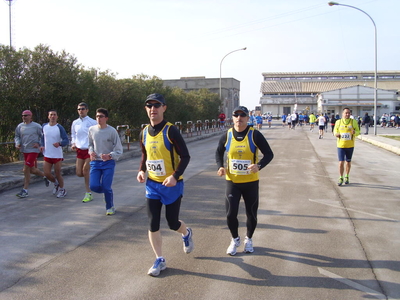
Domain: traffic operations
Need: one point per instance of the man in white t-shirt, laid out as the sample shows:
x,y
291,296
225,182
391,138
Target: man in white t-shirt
x,y
80,144
53,140
294,120
321,125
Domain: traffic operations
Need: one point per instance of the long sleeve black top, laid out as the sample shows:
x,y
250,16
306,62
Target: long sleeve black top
x,y
178,143
259,140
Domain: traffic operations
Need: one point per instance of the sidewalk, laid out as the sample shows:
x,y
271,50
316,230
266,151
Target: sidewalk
x,y
383,142
11,174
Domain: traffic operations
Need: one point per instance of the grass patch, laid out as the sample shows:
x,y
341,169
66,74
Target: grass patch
x,y
394,137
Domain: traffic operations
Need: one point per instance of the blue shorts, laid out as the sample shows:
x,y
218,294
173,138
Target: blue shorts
x,y
167,195
345,154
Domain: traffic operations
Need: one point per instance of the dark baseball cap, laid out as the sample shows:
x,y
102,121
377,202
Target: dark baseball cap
x,y
156,97
242,108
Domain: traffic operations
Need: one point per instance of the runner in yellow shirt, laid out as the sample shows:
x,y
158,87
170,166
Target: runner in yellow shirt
x,y
346,130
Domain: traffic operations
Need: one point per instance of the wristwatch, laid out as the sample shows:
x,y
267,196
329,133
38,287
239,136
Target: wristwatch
x,y
259,166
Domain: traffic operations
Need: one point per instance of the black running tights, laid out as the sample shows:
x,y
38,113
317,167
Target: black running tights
x,y
234,191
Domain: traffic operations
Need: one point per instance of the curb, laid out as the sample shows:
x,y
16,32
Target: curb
x,y
386,146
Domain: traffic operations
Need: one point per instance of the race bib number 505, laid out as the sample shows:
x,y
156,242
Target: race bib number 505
x,y
239,166
156,167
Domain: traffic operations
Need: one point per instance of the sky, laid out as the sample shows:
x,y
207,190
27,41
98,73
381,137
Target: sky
x,y
184,38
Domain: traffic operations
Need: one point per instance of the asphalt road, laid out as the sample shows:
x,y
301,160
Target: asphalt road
x,y
314,240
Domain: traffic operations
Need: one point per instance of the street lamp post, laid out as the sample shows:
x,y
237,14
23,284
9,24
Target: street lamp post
x,y
9,12
220,75
376,62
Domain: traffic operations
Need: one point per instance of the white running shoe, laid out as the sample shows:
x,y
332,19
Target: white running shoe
x,y
61,193
55,188
22,194
188,244
158,266
110,211
248,245
232,247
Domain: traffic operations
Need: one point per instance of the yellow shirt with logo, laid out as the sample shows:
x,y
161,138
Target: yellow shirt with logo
x,y
345,129
241,154
162,158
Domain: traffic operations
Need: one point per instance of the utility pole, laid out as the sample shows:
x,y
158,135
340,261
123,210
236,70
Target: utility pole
x,y
9,13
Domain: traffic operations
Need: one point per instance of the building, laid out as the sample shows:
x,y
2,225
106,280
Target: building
x,y
329,92
230,89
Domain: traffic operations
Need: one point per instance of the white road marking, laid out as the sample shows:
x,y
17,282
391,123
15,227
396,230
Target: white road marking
x,y
357,211
352,284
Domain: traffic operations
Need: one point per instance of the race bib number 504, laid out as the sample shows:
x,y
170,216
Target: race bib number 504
x,y
156,167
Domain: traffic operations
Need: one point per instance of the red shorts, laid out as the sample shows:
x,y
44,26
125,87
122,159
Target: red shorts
x,y
53,161
82,154
30,159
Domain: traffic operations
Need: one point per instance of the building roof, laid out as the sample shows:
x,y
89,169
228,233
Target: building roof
x,y
317,82
270,87
322,73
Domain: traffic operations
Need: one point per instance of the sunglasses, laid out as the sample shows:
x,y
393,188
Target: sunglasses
x,y
81,108
25,115
100,116
150,105
239,114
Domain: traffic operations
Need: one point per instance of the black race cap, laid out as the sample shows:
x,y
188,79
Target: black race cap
x,y
156,97
242,108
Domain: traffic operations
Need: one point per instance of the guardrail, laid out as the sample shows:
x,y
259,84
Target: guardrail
x,y
129,135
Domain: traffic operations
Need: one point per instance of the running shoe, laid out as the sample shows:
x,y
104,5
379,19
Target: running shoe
x,y
55,188
88,197
248,245
232,247
110,211
340,181
188,244
158,266
346,179
61,193
22,194
46,181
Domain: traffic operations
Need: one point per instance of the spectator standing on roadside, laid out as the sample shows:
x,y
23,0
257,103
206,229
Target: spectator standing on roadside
x,y
165,158
53,140
104,149
326,122
366,120
346,129
80,144
242,144
27,139
333,121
